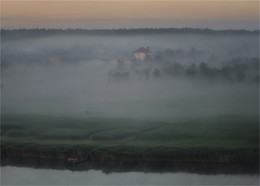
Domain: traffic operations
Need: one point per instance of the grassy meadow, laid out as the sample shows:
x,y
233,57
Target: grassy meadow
x,y
225,139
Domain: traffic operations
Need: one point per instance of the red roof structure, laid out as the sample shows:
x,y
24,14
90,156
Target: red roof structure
x,y
143,50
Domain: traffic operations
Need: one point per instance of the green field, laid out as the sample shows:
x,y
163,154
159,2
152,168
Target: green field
x,y
217,139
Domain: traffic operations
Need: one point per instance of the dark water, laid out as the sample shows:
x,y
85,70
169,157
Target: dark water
x,y
51,172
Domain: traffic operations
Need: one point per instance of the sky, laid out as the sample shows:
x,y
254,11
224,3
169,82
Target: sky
x,y
107,14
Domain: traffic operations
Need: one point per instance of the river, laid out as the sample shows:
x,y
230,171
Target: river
x,y
130,174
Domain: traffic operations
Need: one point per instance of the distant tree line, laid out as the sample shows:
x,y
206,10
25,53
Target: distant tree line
x,y
234,70
41,32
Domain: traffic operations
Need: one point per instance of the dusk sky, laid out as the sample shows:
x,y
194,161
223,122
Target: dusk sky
x,y
222,14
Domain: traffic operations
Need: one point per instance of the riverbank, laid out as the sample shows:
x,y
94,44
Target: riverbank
x,y
225,139
121,153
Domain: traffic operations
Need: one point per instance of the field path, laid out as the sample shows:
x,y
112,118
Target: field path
x,y
91,134
133,138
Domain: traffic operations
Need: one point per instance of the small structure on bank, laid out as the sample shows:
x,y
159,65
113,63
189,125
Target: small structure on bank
x,y
142,53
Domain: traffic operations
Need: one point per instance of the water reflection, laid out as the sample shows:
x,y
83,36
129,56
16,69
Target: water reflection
x,y
147,167
28,176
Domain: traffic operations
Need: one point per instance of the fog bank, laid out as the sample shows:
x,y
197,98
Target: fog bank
x,y
187,76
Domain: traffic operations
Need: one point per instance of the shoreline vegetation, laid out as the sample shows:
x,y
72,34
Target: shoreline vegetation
x,y
222,139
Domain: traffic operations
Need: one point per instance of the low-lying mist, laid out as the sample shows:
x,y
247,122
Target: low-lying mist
x,y
85,90
188,76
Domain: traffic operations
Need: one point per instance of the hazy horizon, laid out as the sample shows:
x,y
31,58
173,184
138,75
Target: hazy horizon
x,y
130,14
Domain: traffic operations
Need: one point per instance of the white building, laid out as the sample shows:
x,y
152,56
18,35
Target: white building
x,y
142,53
